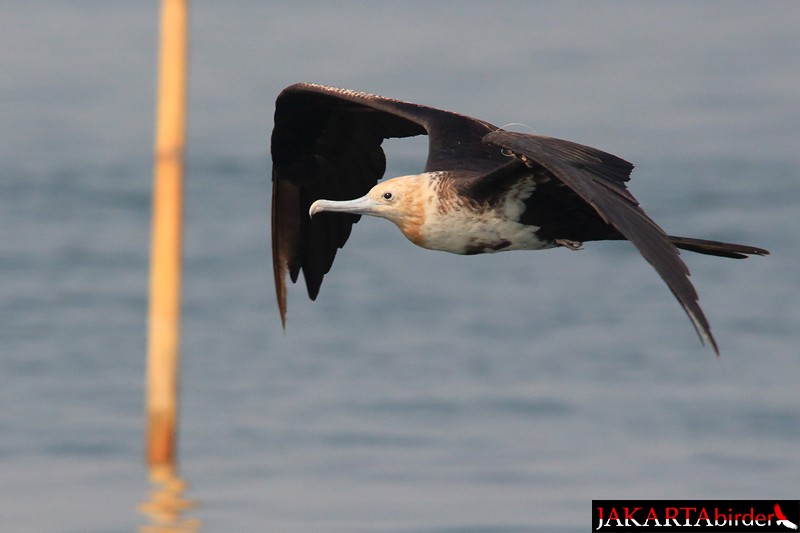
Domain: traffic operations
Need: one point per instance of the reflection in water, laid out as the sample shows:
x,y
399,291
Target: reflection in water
x,y
166,503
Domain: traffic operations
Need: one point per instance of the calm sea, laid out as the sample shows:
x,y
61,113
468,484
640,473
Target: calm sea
x,y
422,392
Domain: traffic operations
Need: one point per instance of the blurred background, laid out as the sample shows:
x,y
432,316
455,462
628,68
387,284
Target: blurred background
x,y
422,392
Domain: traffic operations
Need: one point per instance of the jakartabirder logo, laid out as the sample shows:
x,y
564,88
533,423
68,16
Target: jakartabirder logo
x,y
675,515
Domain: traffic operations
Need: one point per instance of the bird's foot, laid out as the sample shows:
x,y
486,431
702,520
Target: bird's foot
x,y
572,245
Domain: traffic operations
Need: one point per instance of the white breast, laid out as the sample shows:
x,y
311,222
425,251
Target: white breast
x,y
456,226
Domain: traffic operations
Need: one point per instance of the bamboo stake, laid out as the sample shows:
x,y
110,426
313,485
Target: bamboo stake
x,y
165,253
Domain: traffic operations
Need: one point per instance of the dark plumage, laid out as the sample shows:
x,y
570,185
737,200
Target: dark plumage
x,y
483,190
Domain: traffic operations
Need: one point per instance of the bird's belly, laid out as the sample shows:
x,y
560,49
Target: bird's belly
x,y
483,236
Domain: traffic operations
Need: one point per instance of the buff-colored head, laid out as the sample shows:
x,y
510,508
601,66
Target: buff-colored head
x,y
400,200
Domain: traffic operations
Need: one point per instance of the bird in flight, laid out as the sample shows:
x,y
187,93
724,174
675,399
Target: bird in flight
x,y
483,190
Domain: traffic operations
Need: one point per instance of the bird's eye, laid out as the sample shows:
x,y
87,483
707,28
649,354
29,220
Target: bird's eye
x,y
387,196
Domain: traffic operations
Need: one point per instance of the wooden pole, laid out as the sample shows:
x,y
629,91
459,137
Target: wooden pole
x,y
165,253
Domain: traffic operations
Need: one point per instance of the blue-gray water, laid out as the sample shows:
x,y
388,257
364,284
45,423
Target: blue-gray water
x,y
422,392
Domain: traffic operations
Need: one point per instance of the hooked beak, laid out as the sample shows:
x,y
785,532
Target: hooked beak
x,y
360,206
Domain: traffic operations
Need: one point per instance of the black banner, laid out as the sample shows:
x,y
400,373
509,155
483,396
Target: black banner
x,y
662,516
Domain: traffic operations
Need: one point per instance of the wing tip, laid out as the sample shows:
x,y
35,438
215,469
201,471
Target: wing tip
x,y
280,291
713,342
701,325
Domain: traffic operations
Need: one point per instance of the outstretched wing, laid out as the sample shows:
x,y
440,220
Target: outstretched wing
x,y
326,143
599,179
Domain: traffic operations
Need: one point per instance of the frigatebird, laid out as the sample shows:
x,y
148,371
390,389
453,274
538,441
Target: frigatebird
x,y
483,190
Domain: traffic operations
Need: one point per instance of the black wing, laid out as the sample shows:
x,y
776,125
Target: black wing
x,y
326,143
599,179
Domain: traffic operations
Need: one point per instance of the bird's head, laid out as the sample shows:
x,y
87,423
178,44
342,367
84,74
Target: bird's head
x,y
400,200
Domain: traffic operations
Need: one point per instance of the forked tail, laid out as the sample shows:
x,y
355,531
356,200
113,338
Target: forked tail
x,y
721,249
